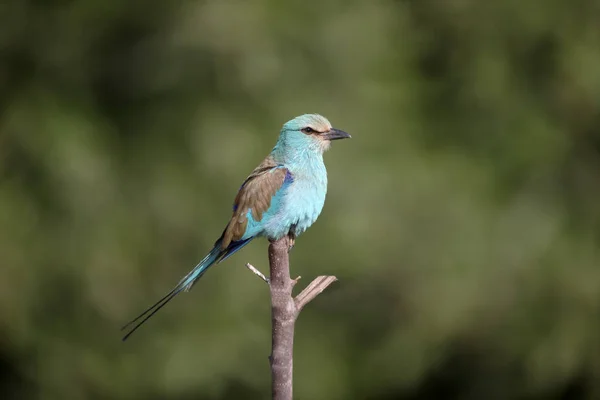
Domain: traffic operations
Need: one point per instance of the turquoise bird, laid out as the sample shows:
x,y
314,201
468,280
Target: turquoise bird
x,y
284,195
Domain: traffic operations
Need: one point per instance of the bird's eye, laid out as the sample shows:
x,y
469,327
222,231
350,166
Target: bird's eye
x,y
308,129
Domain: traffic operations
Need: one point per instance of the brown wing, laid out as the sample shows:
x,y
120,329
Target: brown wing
x,y
255,194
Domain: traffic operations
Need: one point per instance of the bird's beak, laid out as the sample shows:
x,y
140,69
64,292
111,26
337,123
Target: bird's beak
x,y
335,134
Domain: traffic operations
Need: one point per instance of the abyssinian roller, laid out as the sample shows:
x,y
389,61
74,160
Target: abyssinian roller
x,y
284,195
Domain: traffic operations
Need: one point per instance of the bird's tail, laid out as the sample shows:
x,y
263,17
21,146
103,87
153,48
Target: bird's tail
x,y
216,254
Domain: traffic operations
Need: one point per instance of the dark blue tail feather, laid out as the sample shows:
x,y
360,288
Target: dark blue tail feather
x,y
216,255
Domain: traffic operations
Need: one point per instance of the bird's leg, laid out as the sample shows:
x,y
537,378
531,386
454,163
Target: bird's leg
x,y
292,236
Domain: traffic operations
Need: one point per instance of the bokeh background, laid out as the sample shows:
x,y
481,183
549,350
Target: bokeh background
x,y
463,218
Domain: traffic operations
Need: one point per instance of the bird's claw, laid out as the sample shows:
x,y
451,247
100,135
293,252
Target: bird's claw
x,y
292,237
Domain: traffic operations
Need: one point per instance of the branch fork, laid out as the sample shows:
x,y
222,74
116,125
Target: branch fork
x,y
315,288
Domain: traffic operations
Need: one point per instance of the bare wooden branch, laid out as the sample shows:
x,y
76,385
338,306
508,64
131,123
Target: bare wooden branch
x,y
257,273
283,318
284,312
315,288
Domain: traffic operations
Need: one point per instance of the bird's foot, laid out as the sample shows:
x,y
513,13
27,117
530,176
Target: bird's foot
x,y
292,237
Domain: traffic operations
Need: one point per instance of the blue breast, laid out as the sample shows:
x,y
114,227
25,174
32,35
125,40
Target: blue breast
x,y
298,203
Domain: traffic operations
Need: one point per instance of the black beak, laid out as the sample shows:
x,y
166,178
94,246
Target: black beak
x,y
335,134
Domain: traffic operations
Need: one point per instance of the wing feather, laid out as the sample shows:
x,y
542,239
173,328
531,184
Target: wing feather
x,y
255,195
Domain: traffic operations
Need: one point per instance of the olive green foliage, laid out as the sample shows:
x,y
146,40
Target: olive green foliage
x,y
462,219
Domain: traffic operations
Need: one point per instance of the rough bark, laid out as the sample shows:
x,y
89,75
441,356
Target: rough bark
x,y
283,319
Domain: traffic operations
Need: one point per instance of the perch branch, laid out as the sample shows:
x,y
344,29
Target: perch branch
x,y
283,319
284,312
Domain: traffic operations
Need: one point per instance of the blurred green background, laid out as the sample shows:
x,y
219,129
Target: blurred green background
x,y
463,218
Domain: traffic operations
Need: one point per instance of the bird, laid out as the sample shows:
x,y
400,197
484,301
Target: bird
x,y
284,195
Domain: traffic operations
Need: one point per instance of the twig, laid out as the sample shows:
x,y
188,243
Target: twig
x,y
257,273
284,312
315,288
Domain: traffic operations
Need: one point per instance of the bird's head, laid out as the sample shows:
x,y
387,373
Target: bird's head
x,y
312,131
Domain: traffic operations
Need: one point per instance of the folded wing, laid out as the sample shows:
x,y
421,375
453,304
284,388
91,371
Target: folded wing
x,y
254,199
